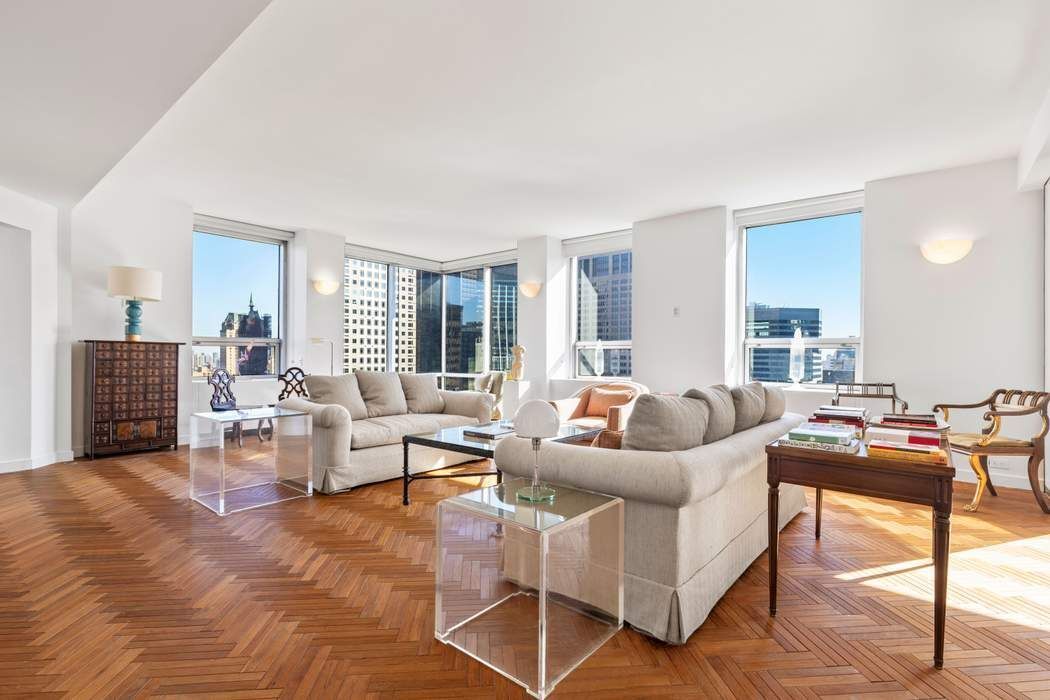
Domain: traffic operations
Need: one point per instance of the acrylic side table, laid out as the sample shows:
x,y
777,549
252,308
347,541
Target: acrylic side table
x,y
529,589
227,478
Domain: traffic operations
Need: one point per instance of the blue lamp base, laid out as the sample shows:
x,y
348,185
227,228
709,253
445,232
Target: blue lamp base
x,y
133,327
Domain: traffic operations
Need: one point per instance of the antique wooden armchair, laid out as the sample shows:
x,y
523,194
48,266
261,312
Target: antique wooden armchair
x,y
1003,403
293,383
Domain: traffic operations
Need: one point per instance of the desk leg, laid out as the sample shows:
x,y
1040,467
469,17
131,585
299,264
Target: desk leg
x,y
404,478
820,507
774,536
941,529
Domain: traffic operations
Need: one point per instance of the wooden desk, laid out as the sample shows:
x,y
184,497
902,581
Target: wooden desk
x,y
910,482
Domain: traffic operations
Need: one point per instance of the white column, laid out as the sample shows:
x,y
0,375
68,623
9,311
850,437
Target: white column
x,y
543,322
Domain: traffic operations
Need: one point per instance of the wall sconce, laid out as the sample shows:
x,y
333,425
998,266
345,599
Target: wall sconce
x,y
530,289
326,287
947,250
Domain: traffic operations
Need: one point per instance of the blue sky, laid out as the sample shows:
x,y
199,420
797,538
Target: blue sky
x,y
225,271
811,263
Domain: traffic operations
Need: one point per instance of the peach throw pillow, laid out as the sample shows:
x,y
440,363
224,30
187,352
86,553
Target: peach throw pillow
x,y
601,400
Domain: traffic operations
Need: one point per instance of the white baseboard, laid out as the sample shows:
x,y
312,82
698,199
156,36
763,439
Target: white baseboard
x,y
18,465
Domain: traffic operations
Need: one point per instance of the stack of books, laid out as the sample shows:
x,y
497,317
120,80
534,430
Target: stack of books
x,y
855,417
906,437
910,421
829,437
908,452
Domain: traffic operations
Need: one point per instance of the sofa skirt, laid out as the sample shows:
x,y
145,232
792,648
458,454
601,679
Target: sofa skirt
x,y
672,614
384,463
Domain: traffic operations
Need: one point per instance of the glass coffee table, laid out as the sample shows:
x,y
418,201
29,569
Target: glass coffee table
x,y
453,440
529,589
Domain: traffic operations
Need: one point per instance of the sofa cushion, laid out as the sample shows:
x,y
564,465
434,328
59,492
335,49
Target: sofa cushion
x,y
776,403
600,400
341,389
382,393
388,430
722,416
588,422
662,423
749,405
421,393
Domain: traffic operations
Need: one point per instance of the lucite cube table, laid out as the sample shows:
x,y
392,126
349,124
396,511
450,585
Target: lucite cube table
x,y
272,466
529,589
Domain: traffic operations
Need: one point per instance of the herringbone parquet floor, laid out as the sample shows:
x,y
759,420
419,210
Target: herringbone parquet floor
x,y
113,584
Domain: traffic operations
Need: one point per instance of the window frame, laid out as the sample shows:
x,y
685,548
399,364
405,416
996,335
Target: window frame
x,y
788,212
575,345
213,226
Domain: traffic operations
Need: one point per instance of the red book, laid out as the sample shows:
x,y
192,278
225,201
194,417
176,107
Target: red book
x,y
841,421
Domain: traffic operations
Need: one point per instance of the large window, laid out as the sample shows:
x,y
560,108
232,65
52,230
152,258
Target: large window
x,y
603,315
407,320
238,287
803,275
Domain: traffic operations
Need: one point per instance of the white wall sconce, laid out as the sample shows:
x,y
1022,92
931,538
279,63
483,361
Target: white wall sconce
x,y
326,287
530,289
946,250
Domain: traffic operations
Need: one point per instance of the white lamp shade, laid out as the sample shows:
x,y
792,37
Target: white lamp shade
x,y
530,289
536,419
946,251
326,287
134,283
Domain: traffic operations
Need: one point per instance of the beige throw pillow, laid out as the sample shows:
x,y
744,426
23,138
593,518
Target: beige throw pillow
x,y
722,416
749,405
662,423
601,400
382,393
776,403
422,394
341,390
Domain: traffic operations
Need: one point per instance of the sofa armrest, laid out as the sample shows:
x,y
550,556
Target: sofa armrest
x,y
331,435
567,408
618,415
473,404
323,415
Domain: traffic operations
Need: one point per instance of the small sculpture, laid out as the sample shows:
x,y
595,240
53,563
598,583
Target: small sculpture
x,y
517,366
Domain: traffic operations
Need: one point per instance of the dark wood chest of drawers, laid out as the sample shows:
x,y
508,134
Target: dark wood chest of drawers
x,y
132,396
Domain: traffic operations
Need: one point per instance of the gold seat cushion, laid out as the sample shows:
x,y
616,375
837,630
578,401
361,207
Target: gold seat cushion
x,y
969,441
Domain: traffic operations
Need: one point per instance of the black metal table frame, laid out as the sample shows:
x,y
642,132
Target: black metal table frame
x,y
426,441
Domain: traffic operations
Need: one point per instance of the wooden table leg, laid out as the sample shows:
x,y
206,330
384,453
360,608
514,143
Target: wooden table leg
x,y
774,537
820,508
404,478
941,529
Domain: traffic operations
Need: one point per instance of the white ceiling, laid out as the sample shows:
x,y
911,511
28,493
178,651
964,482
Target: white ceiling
x,y
450,128
84,80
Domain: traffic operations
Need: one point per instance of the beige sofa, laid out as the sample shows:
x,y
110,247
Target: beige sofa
x,y
695,518
359,420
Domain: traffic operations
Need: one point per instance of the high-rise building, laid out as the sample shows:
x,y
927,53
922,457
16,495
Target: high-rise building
x,y
246,359
365,320
404,295
772,364
603,309
503,316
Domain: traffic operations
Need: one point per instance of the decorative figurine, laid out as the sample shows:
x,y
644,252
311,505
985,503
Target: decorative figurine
x,y
517,366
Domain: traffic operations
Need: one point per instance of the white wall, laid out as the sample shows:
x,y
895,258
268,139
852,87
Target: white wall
x,y
314,255
119,224
543,322
679,265
45,405
953,333
15,424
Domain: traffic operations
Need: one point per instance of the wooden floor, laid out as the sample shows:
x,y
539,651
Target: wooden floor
x,y
113,584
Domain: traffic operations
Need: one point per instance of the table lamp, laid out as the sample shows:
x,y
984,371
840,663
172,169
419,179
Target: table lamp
x,y
536,419
134,285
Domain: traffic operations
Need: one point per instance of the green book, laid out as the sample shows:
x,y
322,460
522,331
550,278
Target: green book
x,y
829,436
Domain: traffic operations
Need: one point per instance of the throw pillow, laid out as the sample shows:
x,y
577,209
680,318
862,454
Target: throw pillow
x,y
666,424
776,403
422,394
342,390
601,400
722,415
749,405
382,393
